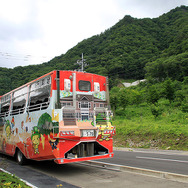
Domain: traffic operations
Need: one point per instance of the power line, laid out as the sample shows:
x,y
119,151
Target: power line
x,y
14,56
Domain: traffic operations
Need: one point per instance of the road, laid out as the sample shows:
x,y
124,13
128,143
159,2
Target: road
x,y
48,174
167,161
31,176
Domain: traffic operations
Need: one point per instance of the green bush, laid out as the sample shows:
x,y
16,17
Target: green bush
x,y
156,110
184,107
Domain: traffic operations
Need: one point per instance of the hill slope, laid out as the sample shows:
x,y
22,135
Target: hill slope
x,y
121,52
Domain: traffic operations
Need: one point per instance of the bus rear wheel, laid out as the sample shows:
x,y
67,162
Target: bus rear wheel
x,y
20,158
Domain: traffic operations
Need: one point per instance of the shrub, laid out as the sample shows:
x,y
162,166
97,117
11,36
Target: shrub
x,y
156,110
153,94
184,107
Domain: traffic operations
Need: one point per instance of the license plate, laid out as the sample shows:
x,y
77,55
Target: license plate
x,y
88,133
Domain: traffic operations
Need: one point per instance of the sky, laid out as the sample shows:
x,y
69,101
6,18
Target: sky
x,y
35,31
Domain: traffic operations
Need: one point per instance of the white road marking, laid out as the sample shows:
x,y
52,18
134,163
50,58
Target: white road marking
x,y
152,158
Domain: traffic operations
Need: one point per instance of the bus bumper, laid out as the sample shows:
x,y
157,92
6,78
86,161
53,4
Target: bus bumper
x,y
71,160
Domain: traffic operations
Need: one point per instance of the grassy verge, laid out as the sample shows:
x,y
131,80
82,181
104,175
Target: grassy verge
x,y
10,181
138,128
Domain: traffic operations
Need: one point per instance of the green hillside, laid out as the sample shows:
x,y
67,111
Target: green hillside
x,y
131,49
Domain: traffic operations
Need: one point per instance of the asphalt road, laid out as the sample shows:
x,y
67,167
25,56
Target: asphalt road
x,y
33,177
48,174
167,161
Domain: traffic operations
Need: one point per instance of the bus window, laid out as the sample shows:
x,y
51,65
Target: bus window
x,y
19,101
84,85
39,95
5,104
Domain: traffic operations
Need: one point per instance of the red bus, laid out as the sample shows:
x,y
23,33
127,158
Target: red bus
x,y
62,116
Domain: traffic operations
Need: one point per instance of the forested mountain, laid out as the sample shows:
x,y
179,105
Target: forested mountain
x,y
131,49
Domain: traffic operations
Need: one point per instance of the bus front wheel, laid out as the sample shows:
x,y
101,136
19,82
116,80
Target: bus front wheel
x,y
20,158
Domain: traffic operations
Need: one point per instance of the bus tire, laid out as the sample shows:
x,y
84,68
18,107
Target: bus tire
x,y
20,158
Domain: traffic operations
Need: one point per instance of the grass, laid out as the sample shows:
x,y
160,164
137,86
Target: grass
x,y
138,128
10,181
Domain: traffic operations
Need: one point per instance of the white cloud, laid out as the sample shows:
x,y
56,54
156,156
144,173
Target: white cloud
x,y
14,11
68,22
149,8
48,28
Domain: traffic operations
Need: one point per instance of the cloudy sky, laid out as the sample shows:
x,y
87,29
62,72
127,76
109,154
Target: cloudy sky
x,y
35,31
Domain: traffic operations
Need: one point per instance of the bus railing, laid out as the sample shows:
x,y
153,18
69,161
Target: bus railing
x,y
99,116
36,107
4,114
17,111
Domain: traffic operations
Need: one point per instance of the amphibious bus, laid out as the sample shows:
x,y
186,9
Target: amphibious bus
x,y
62,116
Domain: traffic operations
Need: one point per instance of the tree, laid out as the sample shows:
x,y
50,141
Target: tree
x,y
169,90
153,94
114,100
124,98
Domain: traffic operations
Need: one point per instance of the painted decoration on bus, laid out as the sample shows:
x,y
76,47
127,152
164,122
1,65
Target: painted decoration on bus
x,y
65,94
69,124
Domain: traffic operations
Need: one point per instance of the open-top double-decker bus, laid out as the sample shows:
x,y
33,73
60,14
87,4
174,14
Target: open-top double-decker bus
x,y
62,116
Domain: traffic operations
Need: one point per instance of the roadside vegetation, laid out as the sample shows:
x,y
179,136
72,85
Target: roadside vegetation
x,y
10,181
151,115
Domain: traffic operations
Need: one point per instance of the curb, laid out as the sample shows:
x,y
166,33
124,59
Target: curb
x,y
27,183
141,150
158,174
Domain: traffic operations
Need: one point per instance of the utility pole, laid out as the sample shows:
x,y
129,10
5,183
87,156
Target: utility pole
x,y
82,63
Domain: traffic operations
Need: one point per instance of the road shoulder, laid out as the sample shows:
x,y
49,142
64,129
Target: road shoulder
x,y
32,177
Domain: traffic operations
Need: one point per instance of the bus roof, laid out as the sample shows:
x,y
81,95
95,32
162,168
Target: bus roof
x,y
73,71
